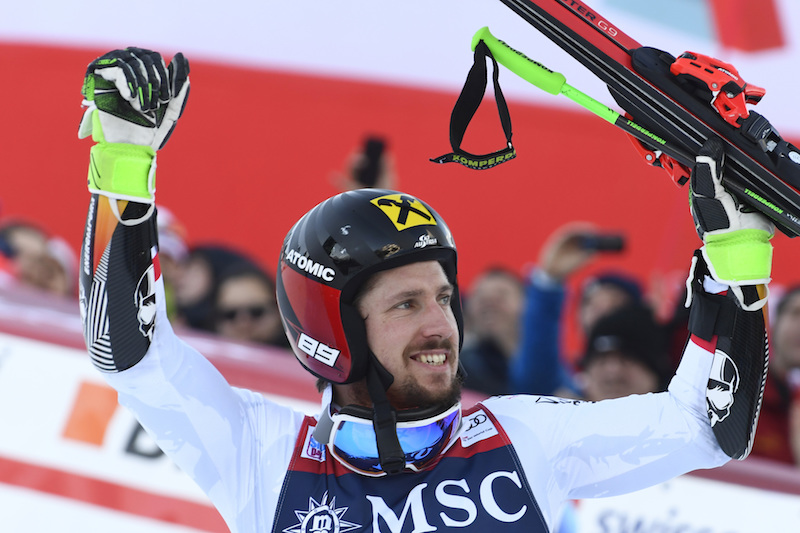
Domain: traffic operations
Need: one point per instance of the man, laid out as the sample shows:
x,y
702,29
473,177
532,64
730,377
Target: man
x,y
625,354
778,437
603,294
569,249
538,366
492,316
245,308
368,293
36,259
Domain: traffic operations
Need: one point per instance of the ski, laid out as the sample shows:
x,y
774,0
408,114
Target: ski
x,y
763,170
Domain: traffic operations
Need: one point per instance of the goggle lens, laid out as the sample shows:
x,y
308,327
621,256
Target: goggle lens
x,y
354,444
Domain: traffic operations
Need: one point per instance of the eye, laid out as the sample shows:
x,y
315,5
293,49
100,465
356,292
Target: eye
x,y
446,296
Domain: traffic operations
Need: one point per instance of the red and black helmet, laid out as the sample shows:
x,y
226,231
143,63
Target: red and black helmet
x,y
331,251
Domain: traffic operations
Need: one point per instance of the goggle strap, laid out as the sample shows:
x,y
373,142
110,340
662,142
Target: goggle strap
x,y
384,421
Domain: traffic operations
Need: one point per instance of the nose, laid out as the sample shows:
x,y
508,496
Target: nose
x,y
438,321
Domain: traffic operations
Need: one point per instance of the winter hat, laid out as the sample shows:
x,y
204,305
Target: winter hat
x,y
619,280
633,331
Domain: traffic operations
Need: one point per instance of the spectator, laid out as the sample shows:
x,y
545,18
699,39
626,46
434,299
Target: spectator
x,y
59,268
604,293
492,312
172,253
246,308
7,271
539,366
36,259
626,353
195,280
774,440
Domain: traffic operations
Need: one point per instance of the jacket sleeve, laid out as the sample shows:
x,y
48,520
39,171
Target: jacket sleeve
x,y
596,449
229,440
119,269
537,367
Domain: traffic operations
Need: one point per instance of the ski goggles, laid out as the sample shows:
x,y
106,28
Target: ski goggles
x,y
353,443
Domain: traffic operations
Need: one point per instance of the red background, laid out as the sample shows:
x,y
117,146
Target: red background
x,y
256,149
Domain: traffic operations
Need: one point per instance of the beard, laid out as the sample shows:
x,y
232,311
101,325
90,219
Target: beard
x,y
411,395
408,393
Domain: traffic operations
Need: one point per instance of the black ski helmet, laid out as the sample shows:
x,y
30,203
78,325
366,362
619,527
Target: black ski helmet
x,y
331,251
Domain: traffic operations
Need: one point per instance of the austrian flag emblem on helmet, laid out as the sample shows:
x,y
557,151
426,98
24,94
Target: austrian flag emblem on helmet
x,y
404,211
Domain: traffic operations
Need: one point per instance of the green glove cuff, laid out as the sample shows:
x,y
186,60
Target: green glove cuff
x,y
742,257
97,127
123,172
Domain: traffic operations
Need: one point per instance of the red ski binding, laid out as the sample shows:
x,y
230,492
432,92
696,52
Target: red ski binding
x,y
677,172
729,92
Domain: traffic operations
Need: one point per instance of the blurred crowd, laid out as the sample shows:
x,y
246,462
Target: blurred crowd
x,y
31,257
209,287
215,288
516,328
516,323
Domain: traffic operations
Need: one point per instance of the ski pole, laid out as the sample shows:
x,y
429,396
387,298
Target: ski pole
x,y
556,83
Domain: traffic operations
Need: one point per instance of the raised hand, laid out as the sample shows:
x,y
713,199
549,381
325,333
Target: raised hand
x,y
132,97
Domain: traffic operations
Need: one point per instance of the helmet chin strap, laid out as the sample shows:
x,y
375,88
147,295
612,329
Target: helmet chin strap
x,y
384,418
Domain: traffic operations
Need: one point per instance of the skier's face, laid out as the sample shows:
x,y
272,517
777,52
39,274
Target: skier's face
x,y
412,331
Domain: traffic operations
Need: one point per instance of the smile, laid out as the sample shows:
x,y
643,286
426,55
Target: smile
x,y
436,359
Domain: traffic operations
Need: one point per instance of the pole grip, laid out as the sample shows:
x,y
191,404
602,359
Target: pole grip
x,y
520,64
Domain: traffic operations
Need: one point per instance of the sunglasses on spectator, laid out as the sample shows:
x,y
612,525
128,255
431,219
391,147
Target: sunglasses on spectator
x,y
252,311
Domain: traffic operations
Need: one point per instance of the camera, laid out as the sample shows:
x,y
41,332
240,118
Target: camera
x,y
605,242
367,171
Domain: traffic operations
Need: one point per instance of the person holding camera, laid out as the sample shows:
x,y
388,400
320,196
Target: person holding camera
x,y
538,366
